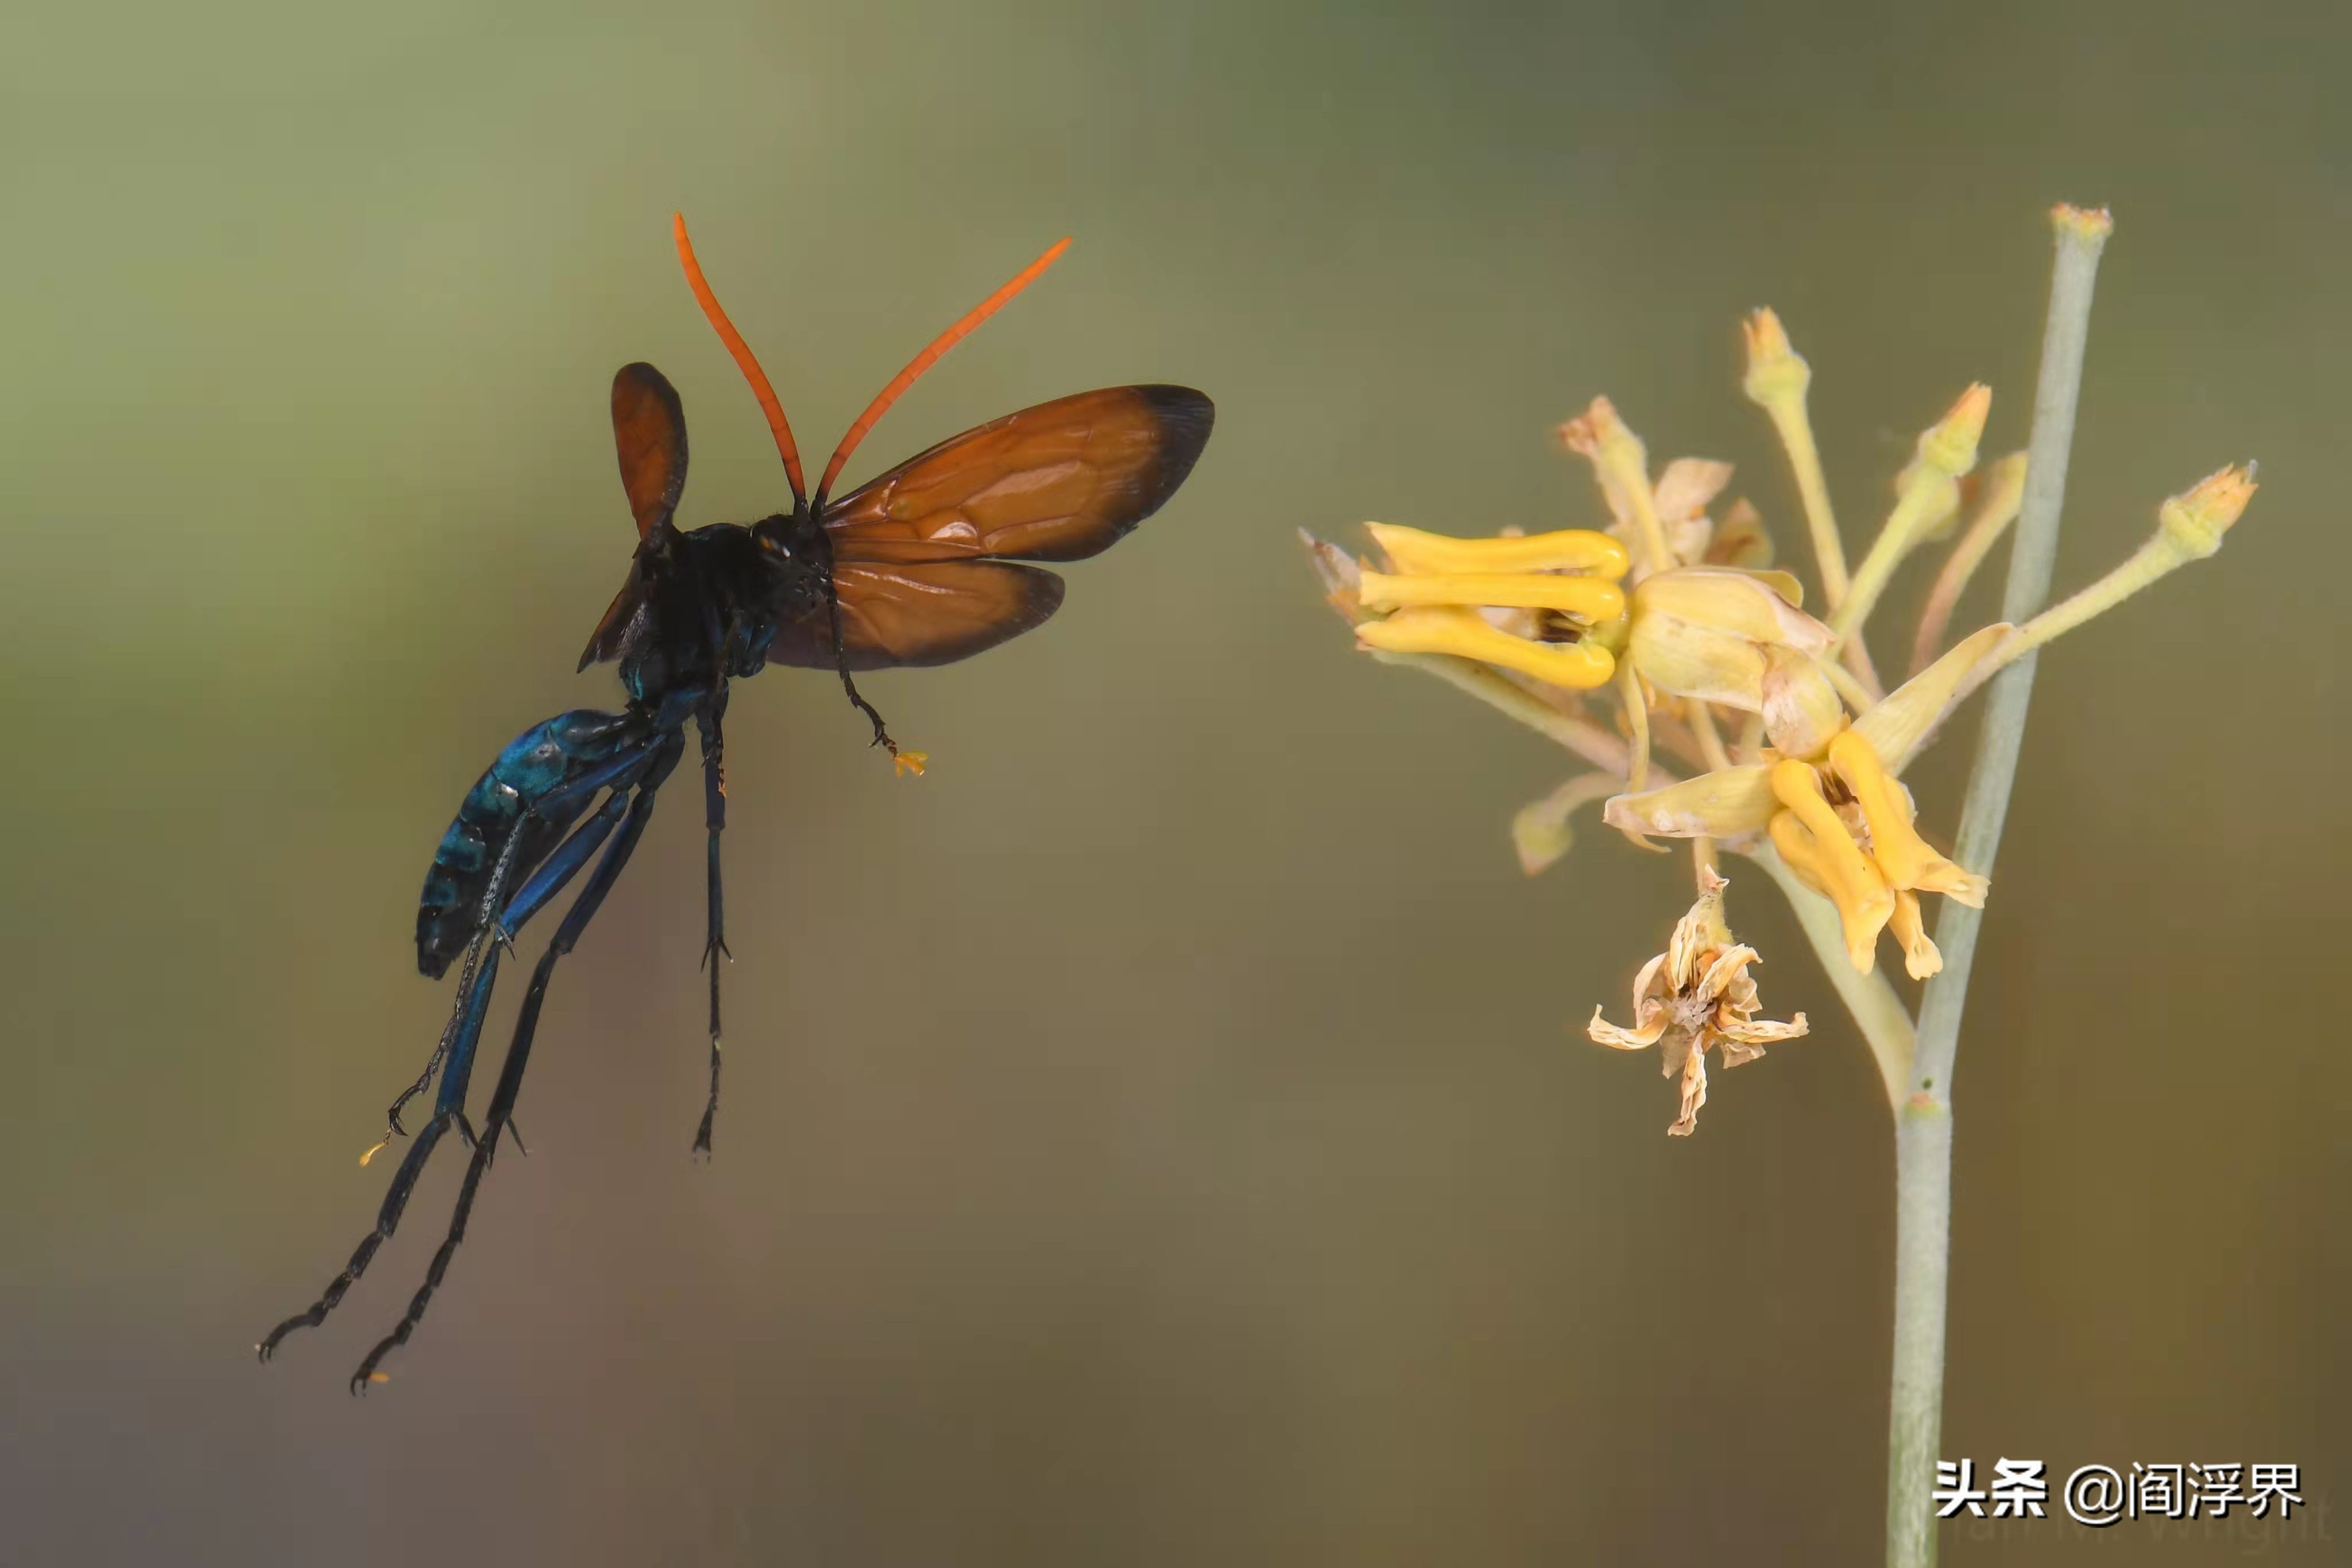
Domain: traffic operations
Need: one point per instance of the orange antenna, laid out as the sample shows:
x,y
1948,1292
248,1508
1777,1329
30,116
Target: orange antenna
x,y
744,360
924,361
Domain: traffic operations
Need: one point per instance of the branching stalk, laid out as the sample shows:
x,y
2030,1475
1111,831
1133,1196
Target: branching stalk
x,y
1923,1142
1587,739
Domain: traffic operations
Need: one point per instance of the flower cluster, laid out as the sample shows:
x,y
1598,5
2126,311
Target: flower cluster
x,y
1665,648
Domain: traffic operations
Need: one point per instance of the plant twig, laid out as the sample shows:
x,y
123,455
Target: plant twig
x,y
1587,739
2004,492
1923,1143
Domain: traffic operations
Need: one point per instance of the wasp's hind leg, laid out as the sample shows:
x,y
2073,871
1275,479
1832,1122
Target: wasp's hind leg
x,y
555,808
473,1001
714,808
502,1099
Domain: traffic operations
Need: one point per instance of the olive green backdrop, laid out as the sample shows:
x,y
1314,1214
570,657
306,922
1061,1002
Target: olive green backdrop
x,y
1165,1134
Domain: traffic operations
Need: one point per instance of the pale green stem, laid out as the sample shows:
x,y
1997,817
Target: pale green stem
x,y
1710,740
2004,492
1897,538
1637,719
1751,737
1786,407
1587,740
1923,1138
1848,686
1791,420
1877,1011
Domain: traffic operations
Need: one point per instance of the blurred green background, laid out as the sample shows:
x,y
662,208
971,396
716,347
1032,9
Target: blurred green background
x,y
1165,1134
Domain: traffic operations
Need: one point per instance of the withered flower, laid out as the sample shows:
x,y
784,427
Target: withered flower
x,y
1697,994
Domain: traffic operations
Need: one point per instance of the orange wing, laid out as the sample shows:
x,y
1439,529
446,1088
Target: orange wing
x,y
1058,482
649,434
920,612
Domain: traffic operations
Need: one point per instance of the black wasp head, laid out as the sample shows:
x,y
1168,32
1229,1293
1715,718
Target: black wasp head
x,y
798,560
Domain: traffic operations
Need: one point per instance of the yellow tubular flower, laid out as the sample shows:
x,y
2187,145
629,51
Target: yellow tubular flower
x,y
1895,844
1921,960
1441,596
1873,870
1814,842
1588,599
1412,551
1732,805
1454,629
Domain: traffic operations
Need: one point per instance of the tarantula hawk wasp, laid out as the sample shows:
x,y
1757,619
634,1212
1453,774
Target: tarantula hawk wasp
x,y
924,565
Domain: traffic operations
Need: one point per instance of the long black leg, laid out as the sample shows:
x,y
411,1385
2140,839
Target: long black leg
x,y
502,1099
456,1047
393,1125
714,810
473,1001
840,664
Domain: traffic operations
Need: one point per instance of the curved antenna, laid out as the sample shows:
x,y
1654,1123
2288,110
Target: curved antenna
x,y
924,361
744,360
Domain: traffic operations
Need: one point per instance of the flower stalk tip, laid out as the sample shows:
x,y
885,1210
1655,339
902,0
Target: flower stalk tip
x,y
1776,381
1776,371
2085,226
1623,466
2189,526
1928,497
1540,832
2195,521
1949,445
1337,572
